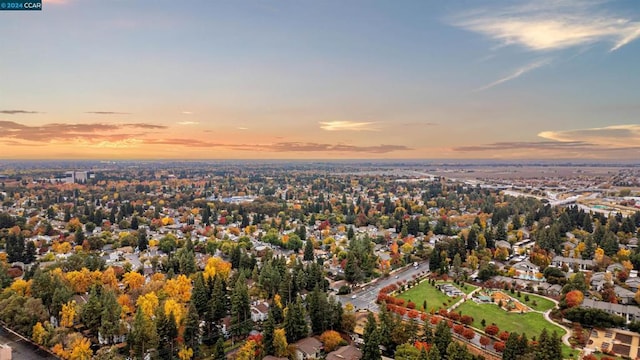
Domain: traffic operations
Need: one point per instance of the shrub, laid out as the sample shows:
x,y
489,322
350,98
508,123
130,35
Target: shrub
x,y
498,346
492,329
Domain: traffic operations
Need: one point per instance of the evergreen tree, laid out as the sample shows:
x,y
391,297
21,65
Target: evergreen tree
x,y
134,223
350,233
371,348
434,354
267,334
457,351
511,349
143,242
318,311
241,322
442,337
192,331
472,238
295,323
308,250
218,351
92,311
30,253
143,335
200,295
110,317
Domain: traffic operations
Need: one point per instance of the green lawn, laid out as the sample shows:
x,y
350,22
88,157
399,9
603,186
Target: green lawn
x,y
424,291
530,323
542,304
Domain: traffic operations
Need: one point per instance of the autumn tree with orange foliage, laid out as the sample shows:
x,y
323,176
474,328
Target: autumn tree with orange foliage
x,y
574,298
331,339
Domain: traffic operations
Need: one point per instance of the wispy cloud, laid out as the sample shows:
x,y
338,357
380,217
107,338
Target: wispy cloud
x,y
10,130
107,113
17,112
187,113
348,126
552,25
619,141
243,128
608,136
516,74
188,123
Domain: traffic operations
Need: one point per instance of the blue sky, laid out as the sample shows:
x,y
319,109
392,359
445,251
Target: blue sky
x,y
321,79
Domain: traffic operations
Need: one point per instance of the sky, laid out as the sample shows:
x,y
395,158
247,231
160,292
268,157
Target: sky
x,y
321,79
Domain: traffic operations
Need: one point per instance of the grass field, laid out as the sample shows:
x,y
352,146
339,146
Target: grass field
x,y
424,291
466,288
542,304
529,323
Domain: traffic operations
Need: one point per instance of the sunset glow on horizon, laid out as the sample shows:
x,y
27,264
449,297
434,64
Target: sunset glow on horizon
x,y
321,80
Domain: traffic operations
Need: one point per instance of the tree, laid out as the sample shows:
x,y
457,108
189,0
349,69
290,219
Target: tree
x,y
442,337
110,316
574,298
30,253
295,323
308,250
68,314
143,335
331,340
511,348
484,341
241,322
192,332
457,351
133,280
371,348
200,295
81,349
185,353
433,354
39,334
280,343
406,352
268,333
247,351
218,351
143,242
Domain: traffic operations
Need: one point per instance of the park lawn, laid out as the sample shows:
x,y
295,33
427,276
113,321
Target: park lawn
x,y
530,323
542,304
424,291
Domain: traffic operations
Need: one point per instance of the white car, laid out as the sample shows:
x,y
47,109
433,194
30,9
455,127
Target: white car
x,y
353,296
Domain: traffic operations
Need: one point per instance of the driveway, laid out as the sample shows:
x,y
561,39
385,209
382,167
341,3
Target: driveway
x,y
20,349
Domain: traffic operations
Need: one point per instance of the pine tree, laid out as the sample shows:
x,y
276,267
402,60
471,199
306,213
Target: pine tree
x,y
442,337
318,311
308,250
200,295
192,331
218,351
267,334
92,311
143,335
241,322
110,317
295,323
143,243
30,253
371,347
511,349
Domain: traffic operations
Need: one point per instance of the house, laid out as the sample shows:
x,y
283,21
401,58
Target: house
x,y
307,348
624,295
629,312
598,280
271,357
503,244
613,268
582,264
633,283
259,311
348,352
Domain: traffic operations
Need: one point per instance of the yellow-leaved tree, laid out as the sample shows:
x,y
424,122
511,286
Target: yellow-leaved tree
x,y
22,287
216,265
109,279
178,288
173,307
39,333
280,342
330,339
133,280
68,314
185,353
247,351
80,349
148,303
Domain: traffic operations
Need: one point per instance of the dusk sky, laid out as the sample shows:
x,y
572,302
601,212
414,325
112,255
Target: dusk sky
x,y
322,79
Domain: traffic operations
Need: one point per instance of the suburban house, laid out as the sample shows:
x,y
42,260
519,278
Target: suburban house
x,y
629,312
307,348
259,311
625,296
348,352
582,264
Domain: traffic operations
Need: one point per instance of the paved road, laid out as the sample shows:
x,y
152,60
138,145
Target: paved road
x,y
365,297
20,349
